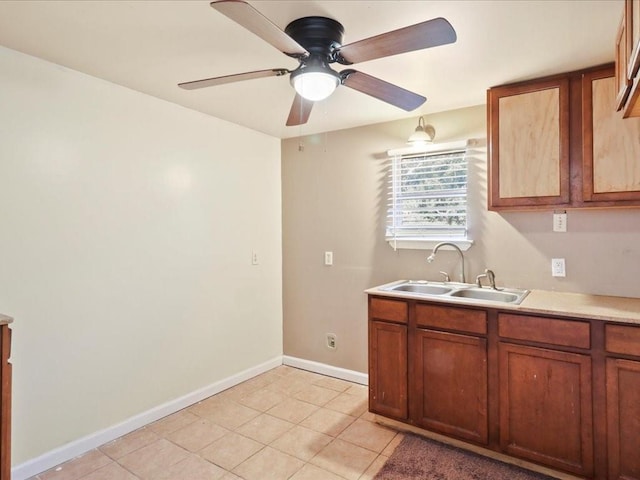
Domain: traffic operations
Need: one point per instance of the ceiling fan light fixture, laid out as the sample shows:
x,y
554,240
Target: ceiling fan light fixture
x,y
423,134
315,84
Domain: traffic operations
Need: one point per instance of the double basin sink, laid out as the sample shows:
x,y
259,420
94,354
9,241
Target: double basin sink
x,y
456,291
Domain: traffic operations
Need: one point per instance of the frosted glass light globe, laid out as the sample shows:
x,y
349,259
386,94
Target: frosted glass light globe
x,y
315,86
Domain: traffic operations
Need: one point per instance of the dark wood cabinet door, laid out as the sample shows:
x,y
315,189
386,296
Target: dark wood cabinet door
x,y
450,384
546,407
623,419
388,369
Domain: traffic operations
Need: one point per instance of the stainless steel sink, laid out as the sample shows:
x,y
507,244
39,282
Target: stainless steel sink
x,y
425,289
456,292
487,294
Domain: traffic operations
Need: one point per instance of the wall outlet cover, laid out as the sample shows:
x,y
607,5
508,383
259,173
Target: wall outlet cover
x,y
560,222
558,267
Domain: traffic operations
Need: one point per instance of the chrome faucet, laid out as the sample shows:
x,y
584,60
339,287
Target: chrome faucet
x,y
432,257
489,275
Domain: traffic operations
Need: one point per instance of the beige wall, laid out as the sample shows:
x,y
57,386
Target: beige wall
x,y
128,225
334,200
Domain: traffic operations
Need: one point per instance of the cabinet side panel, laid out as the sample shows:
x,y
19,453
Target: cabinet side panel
x,y
530,144
5,403
616,149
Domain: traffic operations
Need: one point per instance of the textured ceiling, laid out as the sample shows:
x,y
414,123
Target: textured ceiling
x,y
151,46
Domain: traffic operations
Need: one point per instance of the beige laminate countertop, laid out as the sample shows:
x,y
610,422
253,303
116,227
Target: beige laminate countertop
x,y
596,307
5,319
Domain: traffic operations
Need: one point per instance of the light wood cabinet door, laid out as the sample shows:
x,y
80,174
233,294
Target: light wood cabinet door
x,y
611,144
388,369
449,393
546,407
623,419
529,144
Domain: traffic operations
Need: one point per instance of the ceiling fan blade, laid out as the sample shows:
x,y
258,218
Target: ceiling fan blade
x,y
382,90
431,33
300,111
245,15
238,77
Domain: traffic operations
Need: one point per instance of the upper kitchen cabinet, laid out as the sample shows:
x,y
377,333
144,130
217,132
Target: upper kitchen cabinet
x,y
611,144
529,144
624,41
558,142
628,60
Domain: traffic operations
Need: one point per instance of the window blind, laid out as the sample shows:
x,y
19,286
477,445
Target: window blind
x,y
427,197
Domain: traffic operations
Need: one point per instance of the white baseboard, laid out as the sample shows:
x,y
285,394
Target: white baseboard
x,y
82,445
324,369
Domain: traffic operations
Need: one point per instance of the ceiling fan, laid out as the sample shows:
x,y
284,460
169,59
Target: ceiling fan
x,y
316,42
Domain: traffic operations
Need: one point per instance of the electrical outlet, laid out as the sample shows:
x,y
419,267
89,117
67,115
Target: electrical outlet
x,y
331,341
558,267
560,222
254,258
328,258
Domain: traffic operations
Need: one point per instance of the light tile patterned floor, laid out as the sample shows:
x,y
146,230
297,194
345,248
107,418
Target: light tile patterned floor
x,y
284,424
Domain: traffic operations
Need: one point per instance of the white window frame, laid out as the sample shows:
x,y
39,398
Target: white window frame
x,y
427,241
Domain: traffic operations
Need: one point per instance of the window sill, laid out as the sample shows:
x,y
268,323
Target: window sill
x,y
422,244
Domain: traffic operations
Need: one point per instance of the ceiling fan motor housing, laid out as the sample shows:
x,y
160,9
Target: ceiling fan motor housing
x,y
320,36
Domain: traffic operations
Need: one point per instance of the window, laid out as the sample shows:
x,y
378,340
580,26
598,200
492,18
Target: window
x,y
427,197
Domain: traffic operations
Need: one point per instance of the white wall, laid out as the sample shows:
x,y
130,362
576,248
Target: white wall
x,y
125,252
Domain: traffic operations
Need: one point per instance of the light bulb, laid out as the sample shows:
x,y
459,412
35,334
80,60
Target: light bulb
x,y
315,85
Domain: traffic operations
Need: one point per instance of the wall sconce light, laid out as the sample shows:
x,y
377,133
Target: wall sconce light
x,y
423,135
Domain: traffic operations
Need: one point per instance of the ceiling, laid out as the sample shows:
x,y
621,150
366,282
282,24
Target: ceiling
x,y
152,46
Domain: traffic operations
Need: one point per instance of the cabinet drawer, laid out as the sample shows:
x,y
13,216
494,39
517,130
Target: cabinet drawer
x,y
566,333
391,310
622,339
473,321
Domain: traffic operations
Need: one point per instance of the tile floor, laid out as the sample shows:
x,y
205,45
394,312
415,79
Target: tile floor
x,y
284,424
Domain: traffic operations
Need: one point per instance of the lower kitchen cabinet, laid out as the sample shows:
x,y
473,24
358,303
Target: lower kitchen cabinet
x,y
450,390
561,392
546,407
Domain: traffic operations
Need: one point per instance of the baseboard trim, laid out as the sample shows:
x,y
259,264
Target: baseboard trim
x,y
82,445
324,369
